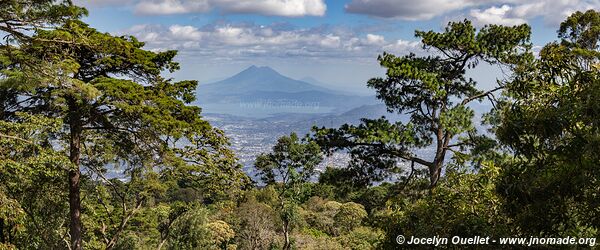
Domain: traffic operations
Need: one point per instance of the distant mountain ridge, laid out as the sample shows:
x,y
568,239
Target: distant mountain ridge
x,y
348,90
263,78
263,87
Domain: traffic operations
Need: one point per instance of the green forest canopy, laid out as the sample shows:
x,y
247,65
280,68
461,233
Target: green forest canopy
x,y
76,102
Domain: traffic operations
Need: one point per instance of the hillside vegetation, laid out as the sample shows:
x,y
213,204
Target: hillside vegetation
x,y
99,151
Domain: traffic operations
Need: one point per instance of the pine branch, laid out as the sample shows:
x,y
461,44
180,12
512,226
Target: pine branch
x,y
15,138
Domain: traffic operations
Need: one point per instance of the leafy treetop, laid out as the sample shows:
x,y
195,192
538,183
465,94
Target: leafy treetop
x,y
434,91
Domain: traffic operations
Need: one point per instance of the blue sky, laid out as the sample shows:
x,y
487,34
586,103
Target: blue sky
x,y
336,42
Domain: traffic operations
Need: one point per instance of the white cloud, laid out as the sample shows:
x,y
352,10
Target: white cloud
x,y
90,3
484,11
527,9
167,7
375,39
496,15
403,46
237,41
330,41
553,12
185,32
289,8
406,9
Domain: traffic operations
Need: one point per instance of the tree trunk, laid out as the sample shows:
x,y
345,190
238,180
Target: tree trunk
x,y
286,235
75,209
286,225
161,244
2,236
434,174
435,169
74,176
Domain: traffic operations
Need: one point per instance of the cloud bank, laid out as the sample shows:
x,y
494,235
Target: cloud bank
x,y
247,41
286,8
507,12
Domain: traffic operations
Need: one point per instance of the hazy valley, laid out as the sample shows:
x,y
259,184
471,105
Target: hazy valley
x,y
253,117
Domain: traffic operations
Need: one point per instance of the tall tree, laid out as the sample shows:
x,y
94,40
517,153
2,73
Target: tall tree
x,y
117,110
19,18
435,92
291,165
550,122
30,167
